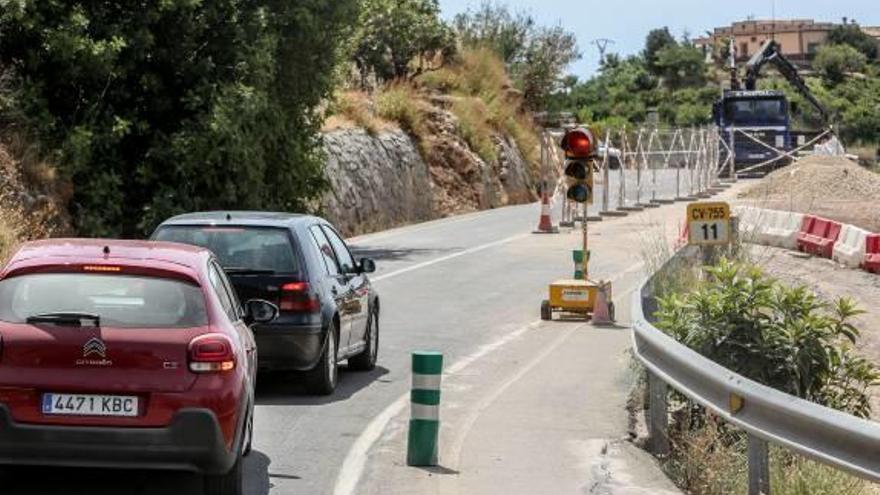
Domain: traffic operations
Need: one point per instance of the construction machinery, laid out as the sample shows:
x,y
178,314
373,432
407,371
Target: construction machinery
x,y
764,114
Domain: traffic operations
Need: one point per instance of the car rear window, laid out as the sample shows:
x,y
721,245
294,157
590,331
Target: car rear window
x,y
246,248
122,301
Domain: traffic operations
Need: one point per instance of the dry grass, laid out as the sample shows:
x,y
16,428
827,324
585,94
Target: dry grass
x,y
712,461
474,126
485,103
354,109
400,102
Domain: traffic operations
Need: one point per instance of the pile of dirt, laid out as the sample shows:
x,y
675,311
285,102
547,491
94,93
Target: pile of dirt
x,y
832,187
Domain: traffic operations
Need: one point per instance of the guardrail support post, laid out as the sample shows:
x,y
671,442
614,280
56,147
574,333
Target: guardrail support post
x,y
659,419
759,466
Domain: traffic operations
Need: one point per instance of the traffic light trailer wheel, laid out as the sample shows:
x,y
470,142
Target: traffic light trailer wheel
x,y
546,311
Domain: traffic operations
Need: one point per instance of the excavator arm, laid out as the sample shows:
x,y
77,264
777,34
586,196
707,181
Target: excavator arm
x,y
770,53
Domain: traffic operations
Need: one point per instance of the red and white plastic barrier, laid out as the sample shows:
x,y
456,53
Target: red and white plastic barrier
x,y
818,236
846,244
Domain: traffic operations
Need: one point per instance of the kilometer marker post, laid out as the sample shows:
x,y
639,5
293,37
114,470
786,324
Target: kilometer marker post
x,y
424,424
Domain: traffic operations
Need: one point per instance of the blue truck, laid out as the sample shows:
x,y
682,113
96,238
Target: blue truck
x,y
746,115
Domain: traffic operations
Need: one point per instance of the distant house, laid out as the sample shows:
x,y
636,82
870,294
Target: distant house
x,y
873,31
799,38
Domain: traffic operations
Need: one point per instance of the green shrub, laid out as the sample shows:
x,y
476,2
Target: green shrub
x,y
163,107
786,338
834,62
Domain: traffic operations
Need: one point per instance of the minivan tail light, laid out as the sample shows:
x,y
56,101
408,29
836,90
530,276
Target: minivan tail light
x,y
297,297
211,353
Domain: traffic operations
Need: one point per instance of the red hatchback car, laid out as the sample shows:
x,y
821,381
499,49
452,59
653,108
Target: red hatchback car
x,y
126,354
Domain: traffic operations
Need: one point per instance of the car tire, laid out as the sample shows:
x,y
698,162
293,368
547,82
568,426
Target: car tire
x,y
366,360
249,434
231,483
321,380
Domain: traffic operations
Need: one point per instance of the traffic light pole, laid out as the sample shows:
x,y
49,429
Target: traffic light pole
x,y
586,245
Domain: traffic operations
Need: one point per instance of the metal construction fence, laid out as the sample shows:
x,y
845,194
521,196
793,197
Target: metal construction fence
x,y
639,168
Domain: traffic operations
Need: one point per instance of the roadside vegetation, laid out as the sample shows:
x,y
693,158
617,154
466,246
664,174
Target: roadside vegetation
x,y
180,106
490,68
785,337
671,79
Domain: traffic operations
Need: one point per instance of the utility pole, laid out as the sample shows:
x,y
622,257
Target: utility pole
x,y
602,45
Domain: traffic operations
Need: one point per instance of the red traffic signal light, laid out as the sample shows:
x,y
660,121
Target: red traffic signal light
x,y
579,143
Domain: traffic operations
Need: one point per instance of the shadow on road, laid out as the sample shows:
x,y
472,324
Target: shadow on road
x,y
30,480
286,389
394,254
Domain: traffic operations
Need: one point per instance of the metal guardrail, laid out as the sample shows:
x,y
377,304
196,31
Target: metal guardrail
x,y
826,435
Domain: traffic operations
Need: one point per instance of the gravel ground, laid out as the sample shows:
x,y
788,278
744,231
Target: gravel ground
x,y
831,281
828,186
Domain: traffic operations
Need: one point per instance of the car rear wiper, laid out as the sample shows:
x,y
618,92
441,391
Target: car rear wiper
x,y
236,270
67,319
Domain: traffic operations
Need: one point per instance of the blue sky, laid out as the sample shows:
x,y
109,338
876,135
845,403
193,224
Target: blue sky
x,y
628,21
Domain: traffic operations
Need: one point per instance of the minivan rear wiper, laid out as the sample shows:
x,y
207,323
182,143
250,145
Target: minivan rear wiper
x,y
237,270
67,319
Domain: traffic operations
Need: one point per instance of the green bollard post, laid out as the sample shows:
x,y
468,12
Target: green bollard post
x,y
578,256
424,424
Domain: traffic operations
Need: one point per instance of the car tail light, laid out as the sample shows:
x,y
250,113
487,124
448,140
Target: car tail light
x,y
298,297
211,353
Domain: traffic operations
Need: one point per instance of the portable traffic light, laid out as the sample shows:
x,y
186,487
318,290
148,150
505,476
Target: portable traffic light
x,y
580,150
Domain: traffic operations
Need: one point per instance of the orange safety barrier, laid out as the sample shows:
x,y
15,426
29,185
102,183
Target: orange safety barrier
x,y
818,236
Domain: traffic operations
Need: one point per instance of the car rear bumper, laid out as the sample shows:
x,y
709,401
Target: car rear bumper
x,y
192,442
286,347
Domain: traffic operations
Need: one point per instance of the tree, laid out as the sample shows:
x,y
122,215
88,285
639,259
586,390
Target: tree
x,y
549,53
536,57
852,35
681,66
179,105
657,41
833,62
497,28
395,33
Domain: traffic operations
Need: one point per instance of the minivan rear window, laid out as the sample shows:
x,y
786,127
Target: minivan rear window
x,y
239,248
121,301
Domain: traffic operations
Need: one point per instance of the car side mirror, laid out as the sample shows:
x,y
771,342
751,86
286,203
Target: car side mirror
x,y
260,311
367,265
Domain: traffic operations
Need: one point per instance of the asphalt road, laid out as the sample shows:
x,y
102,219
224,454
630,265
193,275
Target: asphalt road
x,y
454,285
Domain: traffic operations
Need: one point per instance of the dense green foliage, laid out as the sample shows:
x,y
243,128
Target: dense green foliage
x,y
657,41
536,57
852,35
834,62
395,33
162,107
681,88
783,337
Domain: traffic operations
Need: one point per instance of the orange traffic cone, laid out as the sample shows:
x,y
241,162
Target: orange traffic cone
x,y
603,310
545,225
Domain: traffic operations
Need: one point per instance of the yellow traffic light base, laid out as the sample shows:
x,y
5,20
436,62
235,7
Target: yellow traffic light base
x,y
584,298
576,298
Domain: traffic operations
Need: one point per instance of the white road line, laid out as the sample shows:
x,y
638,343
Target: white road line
x,y
461,433
353,466
476,249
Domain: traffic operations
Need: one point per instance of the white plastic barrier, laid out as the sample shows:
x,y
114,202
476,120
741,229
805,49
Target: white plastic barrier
x,y
749,222
850,247
778,228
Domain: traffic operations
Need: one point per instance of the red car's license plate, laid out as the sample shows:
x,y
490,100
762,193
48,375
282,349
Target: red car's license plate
x,y
90,405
